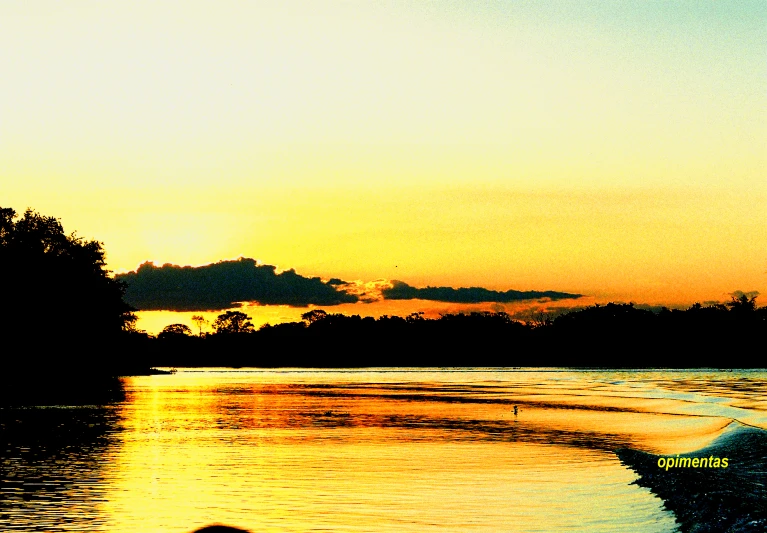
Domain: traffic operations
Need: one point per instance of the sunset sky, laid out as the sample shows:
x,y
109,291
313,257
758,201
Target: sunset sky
x,y
610,148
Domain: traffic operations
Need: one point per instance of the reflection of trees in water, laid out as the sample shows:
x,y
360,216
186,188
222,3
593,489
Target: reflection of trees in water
x,y
62,388
52,462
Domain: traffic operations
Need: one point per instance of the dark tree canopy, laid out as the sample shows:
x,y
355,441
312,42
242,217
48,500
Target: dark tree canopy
x,y
615,335
233,322
56,292
174,330
742,303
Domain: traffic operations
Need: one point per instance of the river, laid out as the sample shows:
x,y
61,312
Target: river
x,y
389,450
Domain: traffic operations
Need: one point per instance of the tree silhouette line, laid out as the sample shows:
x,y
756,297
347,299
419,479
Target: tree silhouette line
x,y
62,313
613,335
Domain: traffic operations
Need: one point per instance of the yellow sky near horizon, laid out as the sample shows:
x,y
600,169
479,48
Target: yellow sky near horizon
x,y
615,149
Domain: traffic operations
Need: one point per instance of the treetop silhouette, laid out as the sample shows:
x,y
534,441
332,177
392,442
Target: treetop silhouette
x,y
233,322
56,292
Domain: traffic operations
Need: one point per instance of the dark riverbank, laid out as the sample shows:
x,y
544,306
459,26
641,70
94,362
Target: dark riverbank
x,y
36,388
609,336
712,500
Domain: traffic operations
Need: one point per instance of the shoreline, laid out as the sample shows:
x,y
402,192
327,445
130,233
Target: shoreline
x,y
722,500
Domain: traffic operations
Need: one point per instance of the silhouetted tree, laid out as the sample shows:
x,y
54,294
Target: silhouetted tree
x,y
199,321
314,316
233,322
540,319
62,281
415,317
742,304
175,330
611,335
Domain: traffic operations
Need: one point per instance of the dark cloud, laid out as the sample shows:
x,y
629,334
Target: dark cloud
x,y
226,284
402,291
222,285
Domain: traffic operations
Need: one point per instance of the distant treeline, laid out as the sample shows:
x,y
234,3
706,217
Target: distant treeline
x,y
64,321
729,335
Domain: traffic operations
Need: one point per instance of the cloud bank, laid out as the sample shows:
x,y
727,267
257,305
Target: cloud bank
x,y
224,285
402,291
228,284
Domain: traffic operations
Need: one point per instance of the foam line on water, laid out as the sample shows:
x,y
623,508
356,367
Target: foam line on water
x,y
730,500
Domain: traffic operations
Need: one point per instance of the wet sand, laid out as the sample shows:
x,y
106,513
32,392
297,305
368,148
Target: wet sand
x,y
722,500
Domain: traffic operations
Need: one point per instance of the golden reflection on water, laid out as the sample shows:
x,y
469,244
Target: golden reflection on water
x,y
293,451
298,451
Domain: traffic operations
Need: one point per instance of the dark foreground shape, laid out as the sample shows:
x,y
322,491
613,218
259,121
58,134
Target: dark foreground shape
x,y
218,528
708,500
63,388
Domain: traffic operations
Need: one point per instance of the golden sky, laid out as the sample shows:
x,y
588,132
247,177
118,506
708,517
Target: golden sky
x,y
614,149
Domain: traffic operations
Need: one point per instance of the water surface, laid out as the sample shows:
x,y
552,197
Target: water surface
x,y
373,450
